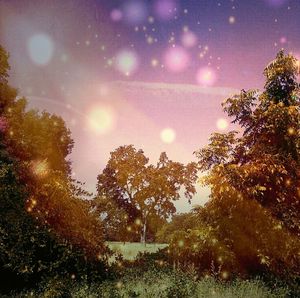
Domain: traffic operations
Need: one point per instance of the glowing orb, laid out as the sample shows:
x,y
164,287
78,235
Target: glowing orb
x,y
40,49
165,9
168,135
126,62
180,243
101,120
206,76
40,168
116,15
231,20
222,124
138,222
176,59
135,12
283,39
291,131
154,62
189,39
225,274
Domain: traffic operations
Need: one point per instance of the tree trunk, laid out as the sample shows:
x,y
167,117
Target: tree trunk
x,y
143,233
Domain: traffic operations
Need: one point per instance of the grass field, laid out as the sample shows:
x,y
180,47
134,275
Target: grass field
x,y
130,250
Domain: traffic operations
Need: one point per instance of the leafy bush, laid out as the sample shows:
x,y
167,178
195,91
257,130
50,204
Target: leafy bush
x,y
161,282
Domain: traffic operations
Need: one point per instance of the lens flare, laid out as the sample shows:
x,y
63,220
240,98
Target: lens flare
x,y
222,124
126,62
168,135
40,49
231,20
176,59
101,119
206,76
189,39
40,168
116,15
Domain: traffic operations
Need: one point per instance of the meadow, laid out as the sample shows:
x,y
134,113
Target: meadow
x,y
130,250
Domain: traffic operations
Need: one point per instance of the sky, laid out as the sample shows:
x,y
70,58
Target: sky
x,y
149,73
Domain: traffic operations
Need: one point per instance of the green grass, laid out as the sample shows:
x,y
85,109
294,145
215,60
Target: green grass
x,y
153,280
129,250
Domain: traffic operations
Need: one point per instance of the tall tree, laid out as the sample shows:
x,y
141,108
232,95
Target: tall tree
x,y
144,190
254,175
263,163
43,221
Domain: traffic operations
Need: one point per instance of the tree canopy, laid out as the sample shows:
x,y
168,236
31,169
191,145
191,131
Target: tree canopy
x,y
251,224
145,191
262,163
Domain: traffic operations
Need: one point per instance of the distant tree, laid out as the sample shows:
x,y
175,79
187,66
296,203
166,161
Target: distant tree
x,y
145,191
179,222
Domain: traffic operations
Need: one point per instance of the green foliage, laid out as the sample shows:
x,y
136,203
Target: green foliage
x,y
164,283
180,222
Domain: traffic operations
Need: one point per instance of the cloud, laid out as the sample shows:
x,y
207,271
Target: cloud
x,y
167,88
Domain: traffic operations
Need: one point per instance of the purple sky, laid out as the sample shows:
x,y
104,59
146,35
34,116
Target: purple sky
x,y
148,73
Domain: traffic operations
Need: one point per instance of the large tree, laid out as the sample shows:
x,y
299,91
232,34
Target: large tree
x,y
254,175
263,163
144,190
45,228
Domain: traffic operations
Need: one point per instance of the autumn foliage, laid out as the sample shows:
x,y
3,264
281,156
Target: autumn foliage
x,y
45,225
251,223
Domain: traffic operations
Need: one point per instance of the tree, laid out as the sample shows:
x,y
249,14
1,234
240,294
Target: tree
x,y
254,176
145,191
45,227
263,164
179,222
115,220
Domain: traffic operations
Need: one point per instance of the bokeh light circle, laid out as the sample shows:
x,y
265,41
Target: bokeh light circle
x,y
206,76
176,59
188,39
101,119
165,9
126,62
168,135
116,15
40,49
222,124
